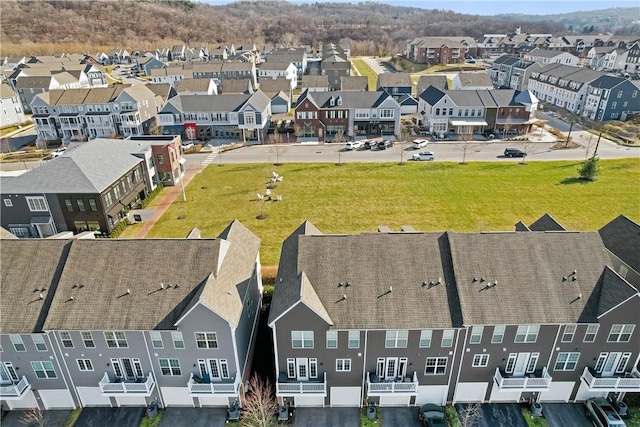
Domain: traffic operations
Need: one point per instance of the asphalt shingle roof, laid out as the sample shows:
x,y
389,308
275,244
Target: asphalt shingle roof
x,y
359,83
350,99
614,290
622,237
546,223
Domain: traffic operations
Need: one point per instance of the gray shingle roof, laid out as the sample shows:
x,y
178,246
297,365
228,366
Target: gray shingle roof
x,y
275,66
614,290
622,237
6,91
212,103
546,223
359,83
315,81
193,85
393,79
607,82
439,81
544,53
350,99
269,85
230,86
475,79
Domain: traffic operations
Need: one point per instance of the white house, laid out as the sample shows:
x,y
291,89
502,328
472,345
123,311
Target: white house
x,y
12,111
544,57
273,70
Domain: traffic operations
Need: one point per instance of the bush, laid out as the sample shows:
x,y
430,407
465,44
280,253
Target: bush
x,y
119,228
452,416
589,169
151,195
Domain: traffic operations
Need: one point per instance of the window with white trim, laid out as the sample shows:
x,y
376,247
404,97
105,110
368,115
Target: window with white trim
x,y
178,341
8,203
343,365
37,204
156,339
115,339
170,367
591,333
533,361
568,333
206,340
498,334
476,334
84,365
480,360
622,363
301,339
396,339
425,338
38,340
332,339
44,369
387,113
354,339
447,338
18,344
435,366
527,333
65,337
87,339
291,368
313,368
620,333
566,361
602,358
511,363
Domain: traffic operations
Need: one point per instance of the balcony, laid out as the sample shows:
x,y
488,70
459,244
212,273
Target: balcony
x,y
200,388
285,387
404,385
142,386
627,381
15,391
538,380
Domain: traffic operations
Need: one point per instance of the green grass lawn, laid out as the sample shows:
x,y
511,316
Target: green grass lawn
x,y
364,70
358,197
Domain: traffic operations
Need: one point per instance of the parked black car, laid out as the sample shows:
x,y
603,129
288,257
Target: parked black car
x,y
514,152
383,145
432,415
369,144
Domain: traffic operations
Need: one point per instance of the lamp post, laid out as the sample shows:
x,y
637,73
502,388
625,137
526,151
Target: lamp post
x,y
182,161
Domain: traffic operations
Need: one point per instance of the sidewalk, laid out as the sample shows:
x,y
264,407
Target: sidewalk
x,y
166,202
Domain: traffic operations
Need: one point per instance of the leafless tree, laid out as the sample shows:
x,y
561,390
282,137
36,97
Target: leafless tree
x,y
5,144
276,139
508,125
470,415
587,146
33,417
526,147
465,146
290,39
338,139
298,131
260,406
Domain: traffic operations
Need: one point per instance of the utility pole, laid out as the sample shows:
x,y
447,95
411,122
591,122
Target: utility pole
x,y
597,143
569,136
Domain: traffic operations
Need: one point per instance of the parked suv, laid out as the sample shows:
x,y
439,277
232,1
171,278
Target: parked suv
x,y
369,145
419,143
602,413
514,152
432,415
353,145
383,145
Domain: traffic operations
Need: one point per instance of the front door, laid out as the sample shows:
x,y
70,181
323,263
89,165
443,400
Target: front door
x,y
8,373
391,370
127,369
302,367
611,364
521,364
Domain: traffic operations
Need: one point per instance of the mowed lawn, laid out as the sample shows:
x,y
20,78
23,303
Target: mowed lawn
x,y
358,197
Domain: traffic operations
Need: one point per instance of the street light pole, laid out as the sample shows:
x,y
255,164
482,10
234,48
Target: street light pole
x,y
182,161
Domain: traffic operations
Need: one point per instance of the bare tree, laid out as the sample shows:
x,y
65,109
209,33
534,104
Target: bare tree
x,y
508,125
290,39
526,144
338,138
276,139
33,417
470,415
465,146
5,144
587,146
260,406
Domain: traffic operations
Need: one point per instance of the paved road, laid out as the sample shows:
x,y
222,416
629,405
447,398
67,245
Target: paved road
x,y
374,64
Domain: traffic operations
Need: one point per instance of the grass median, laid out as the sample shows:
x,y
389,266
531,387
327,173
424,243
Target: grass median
x,y
431,196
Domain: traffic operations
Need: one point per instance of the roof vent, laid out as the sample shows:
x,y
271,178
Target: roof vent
x,y
439,280
475,279
575,272
176,286
36,290
344,296
169,286
79,286
340,284
128,291
492,284
574,278
161,285
390,288
346,285
73,287
564,278
580,296
281,280
41,296
482,279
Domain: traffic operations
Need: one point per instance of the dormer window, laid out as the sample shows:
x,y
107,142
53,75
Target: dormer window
x,y
332,101
339,100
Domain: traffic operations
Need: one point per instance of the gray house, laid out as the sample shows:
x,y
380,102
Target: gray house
x,y
621,237
409,318
611,98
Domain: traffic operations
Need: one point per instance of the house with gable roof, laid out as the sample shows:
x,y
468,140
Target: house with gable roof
x,y
621,237
611,98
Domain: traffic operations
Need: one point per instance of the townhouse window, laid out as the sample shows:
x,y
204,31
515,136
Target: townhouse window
x,y
44,369
87,339
332,339
354,339
620,333
37,204
301,339
634,93
108,199
178,341
65,337
435,366
447,338
619,94
291,368
224,368
343,365
38,341
451,111
480,360
8,203
476,335
92,205
437,112
527,333
206,340
498,334
170,367
622,363
84,365
80,205
511,363
387,113
569,333
160,159
156,339
69,205
567,361
115,339
614,105
313,368
425,338
396,339
533,361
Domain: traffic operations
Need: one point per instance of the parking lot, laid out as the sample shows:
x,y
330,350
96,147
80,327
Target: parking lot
x,y
565,414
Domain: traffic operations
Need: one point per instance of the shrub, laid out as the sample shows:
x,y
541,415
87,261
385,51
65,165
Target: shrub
x,y
589,169
119,228
151,195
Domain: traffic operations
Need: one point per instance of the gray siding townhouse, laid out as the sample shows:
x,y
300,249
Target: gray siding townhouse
x,y
398,85
408,318
611,98
621,237
11,107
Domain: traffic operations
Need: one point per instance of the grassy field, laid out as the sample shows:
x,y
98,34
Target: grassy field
x,y
364,70
358,197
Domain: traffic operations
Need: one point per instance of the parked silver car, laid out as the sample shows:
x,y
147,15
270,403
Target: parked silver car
x,y
602,413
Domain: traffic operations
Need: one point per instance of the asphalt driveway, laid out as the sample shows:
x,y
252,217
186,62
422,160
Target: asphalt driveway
x,y
194,417
498,414
327,417
101,417
400,417
565,414
51,418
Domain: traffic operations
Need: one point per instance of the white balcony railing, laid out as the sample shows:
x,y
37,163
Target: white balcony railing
x,y
302,387
127,387
523,383
406,385
629,381
15,391
212,387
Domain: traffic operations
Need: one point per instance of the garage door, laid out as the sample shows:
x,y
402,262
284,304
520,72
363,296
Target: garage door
x,y
345,396
584,393
505,395
131,401
57,399
208,401
390,400
470,392
176,396
312,400
91,396
558,392
27,401
431,394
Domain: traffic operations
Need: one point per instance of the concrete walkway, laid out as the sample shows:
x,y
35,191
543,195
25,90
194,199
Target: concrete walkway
x,y
166,201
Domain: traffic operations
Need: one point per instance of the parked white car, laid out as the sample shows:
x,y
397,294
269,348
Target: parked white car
x,y
424,156
187,144
60,151
419,143
353,145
